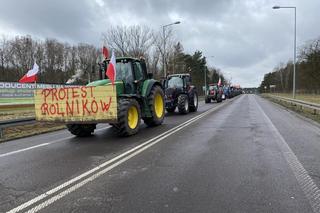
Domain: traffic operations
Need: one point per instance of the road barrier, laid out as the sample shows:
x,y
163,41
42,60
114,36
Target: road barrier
x,y
299,103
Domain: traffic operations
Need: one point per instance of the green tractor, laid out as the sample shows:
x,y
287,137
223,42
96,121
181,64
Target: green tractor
x,y
139,96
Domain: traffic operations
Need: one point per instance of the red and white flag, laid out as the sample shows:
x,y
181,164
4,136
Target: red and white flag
x,y
31,75
111,71
105,52
219,82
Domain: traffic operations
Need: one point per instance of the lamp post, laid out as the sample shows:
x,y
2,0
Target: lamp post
x,y
295,49
164,45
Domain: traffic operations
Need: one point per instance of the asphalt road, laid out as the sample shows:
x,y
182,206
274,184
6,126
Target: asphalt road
x,y
243,155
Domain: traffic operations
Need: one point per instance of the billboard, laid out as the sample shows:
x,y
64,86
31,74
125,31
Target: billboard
x,y
18,90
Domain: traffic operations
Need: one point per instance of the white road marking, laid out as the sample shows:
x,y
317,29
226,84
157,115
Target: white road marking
x,y
43,144
22,150
306,183
95,173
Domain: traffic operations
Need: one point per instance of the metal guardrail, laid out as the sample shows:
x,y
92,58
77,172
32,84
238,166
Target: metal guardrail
x,y
302,104
15,122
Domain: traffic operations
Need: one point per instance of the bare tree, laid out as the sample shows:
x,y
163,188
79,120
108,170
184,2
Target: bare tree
x,y
132,41
141,40
117,38
165,40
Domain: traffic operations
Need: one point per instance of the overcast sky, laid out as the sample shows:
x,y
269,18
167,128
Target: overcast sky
x,y
246,37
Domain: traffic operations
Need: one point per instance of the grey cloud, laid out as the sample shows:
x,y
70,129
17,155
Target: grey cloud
x,y
246,37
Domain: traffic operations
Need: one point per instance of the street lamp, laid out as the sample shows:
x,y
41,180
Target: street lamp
x,y
164,45
295,49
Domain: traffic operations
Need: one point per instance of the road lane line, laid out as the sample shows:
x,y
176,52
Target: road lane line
x,y
22,150
43,144
309,188
98,174
101,166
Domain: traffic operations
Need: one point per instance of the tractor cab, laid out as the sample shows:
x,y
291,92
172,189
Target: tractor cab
x,y
130,72
214,93
179,92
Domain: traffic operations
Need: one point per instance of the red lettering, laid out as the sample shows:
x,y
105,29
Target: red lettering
x,y
58,110
67,93
78,110
84,92
46,93
68,108
84,107
54,94
105,106
52,109
74,92
62,93
44,109
94,106
91,90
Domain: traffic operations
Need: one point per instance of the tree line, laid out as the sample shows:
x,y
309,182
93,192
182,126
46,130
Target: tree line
x,y
307,72
57,61
60,61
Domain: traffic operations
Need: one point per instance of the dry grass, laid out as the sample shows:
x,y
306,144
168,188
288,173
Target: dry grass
x,y
309,113
29,130
304,97
16,113
9,115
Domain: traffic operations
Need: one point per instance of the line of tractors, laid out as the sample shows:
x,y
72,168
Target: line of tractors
x,y
140,97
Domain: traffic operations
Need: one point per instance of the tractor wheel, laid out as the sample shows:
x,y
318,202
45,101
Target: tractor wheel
x,y
194,103
81,130
171,109
156,105
207,100
129,116
183,104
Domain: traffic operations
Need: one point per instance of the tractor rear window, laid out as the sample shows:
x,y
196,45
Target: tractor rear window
x,y
175,82
124,71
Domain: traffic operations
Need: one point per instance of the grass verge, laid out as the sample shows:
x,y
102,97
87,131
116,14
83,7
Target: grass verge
x,y
16,100
16,132
309,113
303,97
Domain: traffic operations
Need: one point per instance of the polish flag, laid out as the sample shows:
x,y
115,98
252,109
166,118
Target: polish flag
x,y
111,71
31,75
219,82
105,52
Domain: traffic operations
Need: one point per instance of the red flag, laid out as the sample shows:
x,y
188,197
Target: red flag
x,y
105,52
111,71
31,75
219,82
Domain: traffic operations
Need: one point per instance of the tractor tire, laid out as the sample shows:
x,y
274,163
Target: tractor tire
x,y
129,117
207,100
171,109
156,106
183,104
81,130
194,104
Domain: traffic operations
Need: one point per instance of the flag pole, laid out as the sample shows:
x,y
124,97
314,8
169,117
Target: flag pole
x,y
35,91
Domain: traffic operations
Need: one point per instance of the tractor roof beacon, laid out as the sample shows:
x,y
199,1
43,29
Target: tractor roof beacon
x,y
180,93
139,97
